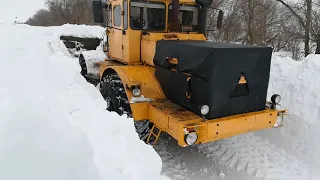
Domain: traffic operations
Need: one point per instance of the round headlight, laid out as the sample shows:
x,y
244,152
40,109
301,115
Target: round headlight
x,y
136,92
205,110
276,98
191,138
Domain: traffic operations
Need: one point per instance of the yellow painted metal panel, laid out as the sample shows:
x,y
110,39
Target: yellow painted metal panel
x,y
138,75
148,51
140,111
159,118
116,50
115,35
126,47
133,43
210,130
234,125
173,127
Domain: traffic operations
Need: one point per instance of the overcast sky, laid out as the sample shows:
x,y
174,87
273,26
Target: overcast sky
x,y
23,9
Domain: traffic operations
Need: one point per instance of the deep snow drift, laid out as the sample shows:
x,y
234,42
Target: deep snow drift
x,y
299,85
53,124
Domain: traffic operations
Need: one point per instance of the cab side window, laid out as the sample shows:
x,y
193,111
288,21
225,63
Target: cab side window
x,y
117,16
109,21
125,17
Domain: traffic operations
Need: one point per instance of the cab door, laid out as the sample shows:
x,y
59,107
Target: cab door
x,y
115,33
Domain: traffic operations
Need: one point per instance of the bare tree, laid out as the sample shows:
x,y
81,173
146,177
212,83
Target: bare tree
x,y
316,25
261,22
232,28
65,11
308,26
305,22
42,17
318,44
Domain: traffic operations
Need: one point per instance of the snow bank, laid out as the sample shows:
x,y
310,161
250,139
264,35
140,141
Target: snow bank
x,y
53,124
298,84
78,30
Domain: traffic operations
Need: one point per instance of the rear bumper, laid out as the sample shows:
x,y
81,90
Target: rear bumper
x,y
227,127
178,122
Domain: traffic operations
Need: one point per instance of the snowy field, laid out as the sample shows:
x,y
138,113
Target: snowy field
x,y
53,124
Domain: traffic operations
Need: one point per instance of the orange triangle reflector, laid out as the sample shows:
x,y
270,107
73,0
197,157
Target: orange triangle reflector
x,y
242,88
242,79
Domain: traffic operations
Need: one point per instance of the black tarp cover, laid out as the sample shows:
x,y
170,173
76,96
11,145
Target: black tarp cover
x,y
215,70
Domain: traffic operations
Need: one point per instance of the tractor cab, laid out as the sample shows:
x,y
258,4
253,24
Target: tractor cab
x,y
162,71
134,26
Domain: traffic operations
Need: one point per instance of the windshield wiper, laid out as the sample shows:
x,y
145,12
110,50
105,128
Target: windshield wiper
x,y
146,4
181,6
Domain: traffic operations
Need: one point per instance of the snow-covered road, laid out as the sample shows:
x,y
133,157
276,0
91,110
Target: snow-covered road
x,y
190,164
48,112
247,157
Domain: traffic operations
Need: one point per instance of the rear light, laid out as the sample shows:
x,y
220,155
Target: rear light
x,y
276,98
191,138
205,110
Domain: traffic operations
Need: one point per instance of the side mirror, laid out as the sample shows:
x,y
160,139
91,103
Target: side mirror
x,y
220,19
97,10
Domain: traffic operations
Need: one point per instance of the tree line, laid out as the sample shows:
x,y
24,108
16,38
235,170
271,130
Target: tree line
x,y
59,12
285,25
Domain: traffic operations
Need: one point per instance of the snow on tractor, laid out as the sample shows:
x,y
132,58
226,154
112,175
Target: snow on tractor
x,y
76,45
159,69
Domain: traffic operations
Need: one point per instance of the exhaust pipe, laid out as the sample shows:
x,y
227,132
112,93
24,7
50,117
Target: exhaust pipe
x,y
174,16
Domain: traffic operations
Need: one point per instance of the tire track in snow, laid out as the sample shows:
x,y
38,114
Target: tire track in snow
x,y
172,166
257,157
189,164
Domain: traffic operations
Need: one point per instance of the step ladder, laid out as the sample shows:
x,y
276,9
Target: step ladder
x,y
154,134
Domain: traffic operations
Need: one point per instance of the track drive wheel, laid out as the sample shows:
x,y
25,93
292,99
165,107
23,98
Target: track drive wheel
x,y
112,90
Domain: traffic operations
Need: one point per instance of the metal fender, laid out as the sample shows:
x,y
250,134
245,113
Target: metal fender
x,y
142,76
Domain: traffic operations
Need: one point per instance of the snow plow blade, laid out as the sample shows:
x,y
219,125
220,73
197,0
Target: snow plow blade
x,y
179,122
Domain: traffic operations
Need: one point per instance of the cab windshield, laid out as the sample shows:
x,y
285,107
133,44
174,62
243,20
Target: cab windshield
x,y
149,16
188,17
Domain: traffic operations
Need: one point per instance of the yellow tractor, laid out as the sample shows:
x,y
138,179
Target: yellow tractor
x,y
161,70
